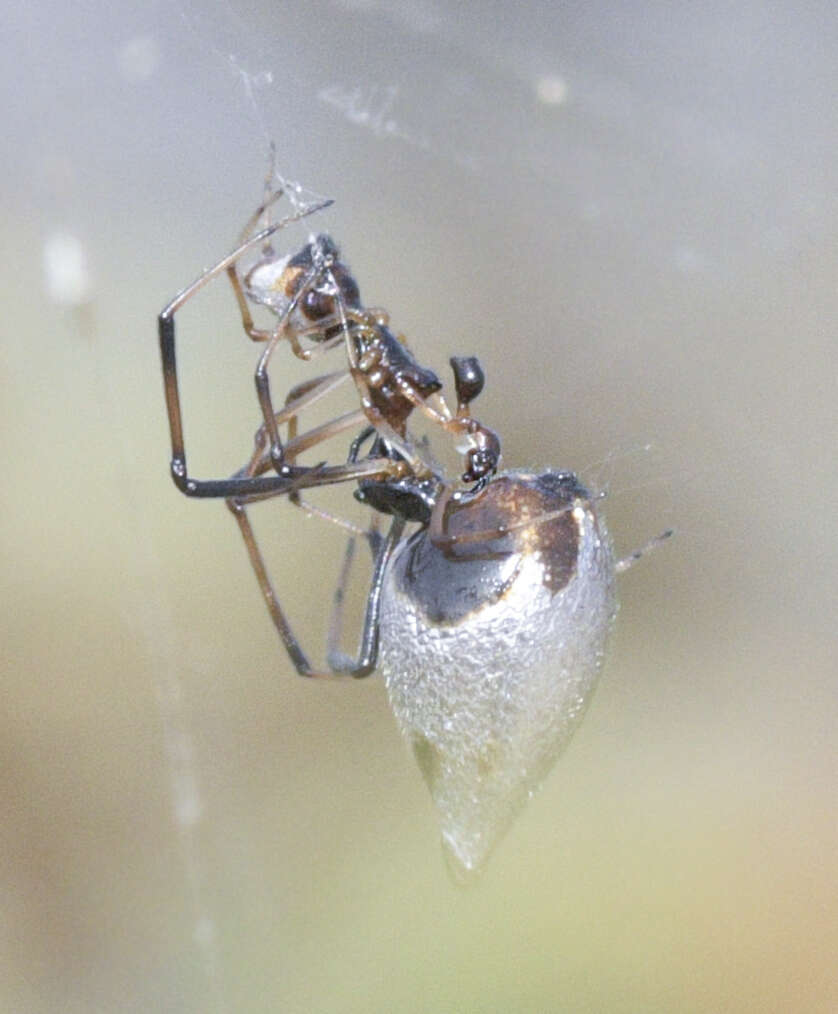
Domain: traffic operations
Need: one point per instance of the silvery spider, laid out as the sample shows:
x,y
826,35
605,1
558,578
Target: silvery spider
x,y
491,598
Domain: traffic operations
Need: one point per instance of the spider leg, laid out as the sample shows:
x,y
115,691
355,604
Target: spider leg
x,y
245,489
261,378
340,665
367,657
268,201
333,638
307,392
289,639
282,331
630,560
369,642
255,333
442,538
301,397
311,510
306,477
166,334
261,461
316,350
260,237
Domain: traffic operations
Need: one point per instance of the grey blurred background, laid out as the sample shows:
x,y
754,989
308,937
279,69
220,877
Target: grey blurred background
x,y
629,211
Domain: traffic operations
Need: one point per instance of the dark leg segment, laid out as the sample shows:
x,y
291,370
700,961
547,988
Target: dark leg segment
x,y
292,645
367,658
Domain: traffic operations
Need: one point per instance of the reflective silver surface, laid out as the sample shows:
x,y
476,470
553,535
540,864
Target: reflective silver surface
x,y
488,696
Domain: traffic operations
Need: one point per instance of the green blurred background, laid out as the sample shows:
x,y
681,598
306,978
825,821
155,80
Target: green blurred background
x,y
629,212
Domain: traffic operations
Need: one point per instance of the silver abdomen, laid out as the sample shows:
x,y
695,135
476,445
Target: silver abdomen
x,y
491,648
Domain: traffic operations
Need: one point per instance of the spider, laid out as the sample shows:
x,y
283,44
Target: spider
x,y
489,617
316,304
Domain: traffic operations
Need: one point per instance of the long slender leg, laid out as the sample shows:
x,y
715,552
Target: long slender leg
x,y
313,511
317,434
245,489
333,638
260,461
314,351
374,539
440,537
292,645
306,394
244,482
299,398
629,561
261,378
320,269
166,335
339,664
367,657
260,237
382,549
257,334
270,198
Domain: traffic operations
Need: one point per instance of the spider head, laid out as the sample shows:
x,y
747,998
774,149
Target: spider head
x,y
315,276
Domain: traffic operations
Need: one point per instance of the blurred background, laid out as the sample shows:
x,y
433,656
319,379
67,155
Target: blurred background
x,y
629,212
